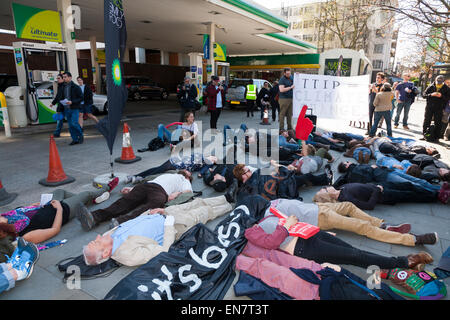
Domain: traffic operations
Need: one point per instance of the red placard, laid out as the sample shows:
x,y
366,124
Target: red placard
x,y
300,229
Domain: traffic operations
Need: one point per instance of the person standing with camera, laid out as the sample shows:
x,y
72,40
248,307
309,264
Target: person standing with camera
x,y
216,98
187,95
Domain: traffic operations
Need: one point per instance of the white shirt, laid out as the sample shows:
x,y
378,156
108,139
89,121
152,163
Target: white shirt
x,y
172,183
219,99
193,127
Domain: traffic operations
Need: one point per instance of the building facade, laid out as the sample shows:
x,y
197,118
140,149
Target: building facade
x,y
379,41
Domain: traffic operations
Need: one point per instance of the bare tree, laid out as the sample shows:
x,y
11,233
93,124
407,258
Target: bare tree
x,y
349,21
428,23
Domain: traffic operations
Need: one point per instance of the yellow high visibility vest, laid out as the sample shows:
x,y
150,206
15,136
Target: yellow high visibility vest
x,y
251,92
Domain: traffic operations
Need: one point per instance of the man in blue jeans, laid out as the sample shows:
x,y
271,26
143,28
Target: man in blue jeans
x,y
71,98
404,94
373,174
19,266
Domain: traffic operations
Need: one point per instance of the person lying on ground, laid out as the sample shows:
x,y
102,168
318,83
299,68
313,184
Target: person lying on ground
x,y
325,247
367,195
136,241
397,146
37,223
310,161
144,196
315,138
282,183
365,173
360,152
19,266
346,216
194,162
404,166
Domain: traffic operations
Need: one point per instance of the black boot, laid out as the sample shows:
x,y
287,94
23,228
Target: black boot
x,y
231,193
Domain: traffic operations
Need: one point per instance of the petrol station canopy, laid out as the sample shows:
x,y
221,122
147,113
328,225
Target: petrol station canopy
x,y
245,27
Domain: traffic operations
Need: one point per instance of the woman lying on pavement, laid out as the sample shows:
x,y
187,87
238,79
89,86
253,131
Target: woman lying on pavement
x,y
36,223
367,195
325,247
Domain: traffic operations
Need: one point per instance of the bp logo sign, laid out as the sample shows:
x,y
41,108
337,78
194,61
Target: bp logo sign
x,y
116,72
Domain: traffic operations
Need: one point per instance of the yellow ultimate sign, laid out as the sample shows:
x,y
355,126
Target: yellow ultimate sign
x,y
37,24
220,52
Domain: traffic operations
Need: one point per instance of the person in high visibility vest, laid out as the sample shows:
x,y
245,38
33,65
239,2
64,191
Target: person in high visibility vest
x,y
250,96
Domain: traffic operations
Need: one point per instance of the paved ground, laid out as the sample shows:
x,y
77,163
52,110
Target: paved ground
x,y
24,161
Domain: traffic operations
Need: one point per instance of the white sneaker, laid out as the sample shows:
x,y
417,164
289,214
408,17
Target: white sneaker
x,y
103,197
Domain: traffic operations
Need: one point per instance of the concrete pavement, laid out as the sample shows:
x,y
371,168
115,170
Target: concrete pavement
x,y
24,161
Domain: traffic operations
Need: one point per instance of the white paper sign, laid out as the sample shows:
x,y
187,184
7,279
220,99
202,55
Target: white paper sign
x,y
332,97
46,198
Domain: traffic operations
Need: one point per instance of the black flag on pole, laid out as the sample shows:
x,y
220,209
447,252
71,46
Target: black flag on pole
x,y
115,44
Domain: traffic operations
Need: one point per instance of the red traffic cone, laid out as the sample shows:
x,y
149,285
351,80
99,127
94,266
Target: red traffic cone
x,y
266,117
5,197
56,175
128,155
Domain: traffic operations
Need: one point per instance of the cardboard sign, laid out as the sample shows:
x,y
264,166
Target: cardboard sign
x,y
300,229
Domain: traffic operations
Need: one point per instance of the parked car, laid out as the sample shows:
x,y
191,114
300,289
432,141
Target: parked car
x,y
139,87
236,91
100,100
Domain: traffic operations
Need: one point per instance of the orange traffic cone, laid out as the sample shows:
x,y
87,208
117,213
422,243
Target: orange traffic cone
x,y
56,175
127,151
265,117
5,197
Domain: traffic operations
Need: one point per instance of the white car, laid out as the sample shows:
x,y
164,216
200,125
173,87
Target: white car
x,y
100,100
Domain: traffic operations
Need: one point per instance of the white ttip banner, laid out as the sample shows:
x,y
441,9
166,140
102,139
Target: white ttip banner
x,y
332,97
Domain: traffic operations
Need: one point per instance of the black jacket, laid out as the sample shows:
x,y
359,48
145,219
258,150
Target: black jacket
x,y
75,93
363,173
187,97
88,97
270,187
436,102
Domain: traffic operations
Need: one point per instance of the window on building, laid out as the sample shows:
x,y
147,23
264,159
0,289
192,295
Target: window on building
x,y
379,33
377,64
308,24
308,37
378,48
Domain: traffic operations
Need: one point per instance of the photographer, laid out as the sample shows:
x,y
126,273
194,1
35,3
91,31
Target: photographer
x,y
187,94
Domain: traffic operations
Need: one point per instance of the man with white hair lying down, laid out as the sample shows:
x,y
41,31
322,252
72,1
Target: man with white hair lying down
x,y
136,241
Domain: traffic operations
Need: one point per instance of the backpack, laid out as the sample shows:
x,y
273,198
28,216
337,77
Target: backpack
x,y
419,285
429,134
87,272
153,145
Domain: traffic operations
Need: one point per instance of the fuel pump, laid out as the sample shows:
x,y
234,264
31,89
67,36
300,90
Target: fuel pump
x,y
38,85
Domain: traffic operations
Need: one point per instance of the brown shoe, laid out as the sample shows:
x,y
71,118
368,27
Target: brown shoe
x,y
428,238
419,260
406,127
366,158
360,157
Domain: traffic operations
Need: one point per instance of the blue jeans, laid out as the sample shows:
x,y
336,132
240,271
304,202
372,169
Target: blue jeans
x,y
355,136
400,177
6,280
72,116
405,106
226,127
364,151
377,117
166,135
59,125
400,140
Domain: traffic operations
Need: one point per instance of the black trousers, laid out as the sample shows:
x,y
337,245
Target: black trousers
x,y
371,114
310,179
215,114
166,166
143,197
324,247
433,111
250,107
275,107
